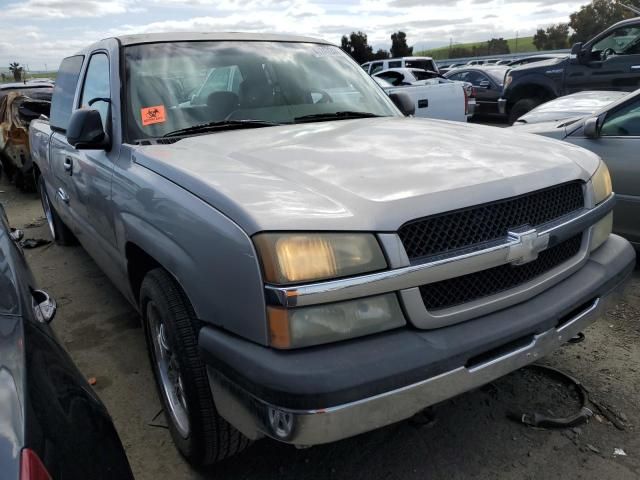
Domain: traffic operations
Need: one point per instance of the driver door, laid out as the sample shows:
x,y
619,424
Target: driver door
x,y
85,175
614,63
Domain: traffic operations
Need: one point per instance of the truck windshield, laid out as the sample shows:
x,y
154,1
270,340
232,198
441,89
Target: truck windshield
x,y
178,85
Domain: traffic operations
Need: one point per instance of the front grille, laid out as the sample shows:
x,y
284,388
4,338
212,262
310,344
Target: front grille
x,y
467,288
484,223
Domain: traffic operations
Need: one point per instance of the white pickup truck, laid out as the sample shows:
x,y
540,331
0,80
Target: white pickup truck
x,y
434,99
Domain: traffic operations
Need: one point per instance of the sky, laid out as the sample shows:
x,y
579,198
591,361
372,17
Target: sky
x,y
39,33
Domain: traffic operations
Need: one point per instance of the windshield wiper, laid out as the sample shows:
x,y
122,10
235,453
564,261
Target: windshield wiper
x,y
334,116
222,125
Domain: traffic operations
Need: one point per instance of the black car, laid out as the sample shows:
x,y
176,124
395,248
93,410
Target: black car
x,y
609,61
52,424
488,82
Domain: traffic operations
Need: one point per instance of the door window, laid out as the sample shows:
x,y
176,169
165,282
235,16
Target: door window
x,y
96,85
376,67
623,41
624,122
474,78
64,91
395,64
394,78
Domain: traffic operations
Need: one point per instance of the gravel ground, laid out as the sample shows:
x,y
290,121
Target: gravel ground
x,y
471,436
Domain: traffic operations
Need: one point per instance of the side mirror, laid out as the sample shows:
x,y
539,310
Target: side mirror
x,y
591,129
576,57
485,84
44,307
404,103
86,131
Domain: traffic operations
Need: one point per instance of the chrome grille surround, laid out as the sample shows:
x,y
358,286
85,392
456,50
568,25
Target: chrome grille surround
x,y
406,278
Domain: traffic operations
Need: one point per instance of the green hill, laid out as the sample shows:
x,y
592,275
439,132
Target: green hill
x,y
525,45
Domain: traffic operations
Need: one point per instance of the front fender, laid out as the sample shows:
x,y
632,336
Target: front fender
x,y
211,257
524,86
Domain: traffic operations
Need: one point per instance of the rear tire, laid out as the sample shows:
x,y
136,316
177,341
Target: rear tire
x,y
199,432
521,107
60,233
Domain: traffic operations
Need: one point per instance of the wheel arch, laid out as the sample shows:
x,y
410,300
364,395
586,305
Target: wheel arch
x,y
532,87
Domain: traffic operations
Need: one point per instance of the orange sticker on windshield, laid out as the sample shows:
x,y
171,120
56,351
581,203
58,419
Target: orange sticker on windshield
x,y
151,115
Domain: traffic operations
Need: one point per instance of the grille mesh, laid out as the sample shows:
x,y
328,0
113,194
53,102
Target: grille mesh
x,y
463,228
467,288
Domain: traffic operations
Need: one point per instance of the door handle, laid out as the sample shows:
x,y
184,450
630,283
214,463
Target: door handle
x,y
635,67
62,195
423,103
68,165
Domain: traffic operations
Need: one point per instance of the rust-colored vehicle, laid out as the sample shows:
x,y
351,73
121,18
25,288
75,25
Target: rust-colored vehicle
x,y
19,104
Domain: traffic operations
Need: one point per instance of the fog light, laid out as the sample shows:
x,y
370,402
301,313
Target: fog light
x,y
280,422
300,327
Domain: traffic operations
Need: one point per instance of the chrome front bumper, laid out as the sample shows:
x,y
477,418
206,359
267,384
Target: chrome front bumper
x,y
255,418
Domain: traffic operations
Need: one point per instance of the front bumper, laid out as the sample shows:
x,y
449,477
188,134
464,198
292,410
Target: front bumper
x,y
502,106
323,394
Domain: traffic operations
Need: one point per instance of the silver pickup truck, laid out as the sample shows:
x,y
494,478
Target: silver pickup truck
x,y
310,264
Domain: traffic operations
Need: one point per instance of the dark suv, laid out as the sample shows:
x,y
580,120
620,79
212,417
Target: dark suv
x,y
610,61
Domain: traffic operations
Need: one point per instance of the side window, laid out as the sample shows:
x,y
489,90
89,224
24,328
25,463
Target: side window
x,y
625,122
64,91
96,85
476,78
458,77
376,67
623,41
395,64
394,78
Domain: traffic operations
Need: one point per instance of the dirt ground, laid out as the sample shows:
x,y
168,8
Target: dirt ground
x,y
471,436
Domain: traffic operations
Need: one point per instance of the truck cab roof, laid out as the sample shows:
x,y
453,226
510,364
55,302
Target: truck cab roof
x,y
141,38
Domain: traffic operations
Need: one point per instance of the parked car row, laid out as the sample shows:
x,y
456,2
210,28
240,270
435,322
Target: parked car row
x,y
308,262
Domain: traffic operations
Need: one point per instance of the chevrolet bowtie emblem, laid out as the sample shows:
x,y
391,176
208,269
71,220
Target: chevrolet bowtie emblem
x,y
525,245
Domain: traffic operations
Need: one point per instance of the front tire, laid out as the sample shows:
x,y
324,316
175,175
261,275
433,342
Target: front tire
x,y
198,431
521,107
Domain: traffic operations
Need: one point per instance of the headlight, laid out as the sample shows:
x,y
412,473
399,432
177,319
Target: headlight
x,y
507,81
300,327
601,181
304,257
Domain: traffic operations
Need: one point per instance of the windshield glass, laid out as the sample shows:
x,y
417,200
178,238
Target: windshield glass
x,y
172,86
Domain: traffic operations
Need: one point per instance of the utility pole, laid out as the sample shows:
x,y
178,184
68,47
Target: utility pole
x,y
450,46
516,42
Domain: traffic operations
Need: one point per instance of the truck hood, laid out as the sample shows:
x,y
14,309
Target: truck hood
x,y
542,65
366,174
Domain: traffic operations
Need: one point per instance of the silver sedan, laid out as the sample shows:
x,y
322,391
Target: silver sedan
x,y
612,132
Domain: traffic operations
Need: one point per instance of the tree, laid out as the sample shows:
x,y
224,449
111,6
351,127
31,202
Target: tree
x,y
540,39
593,18
16,69
399,47
357,46
554,37
498,46
558,36
381,54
